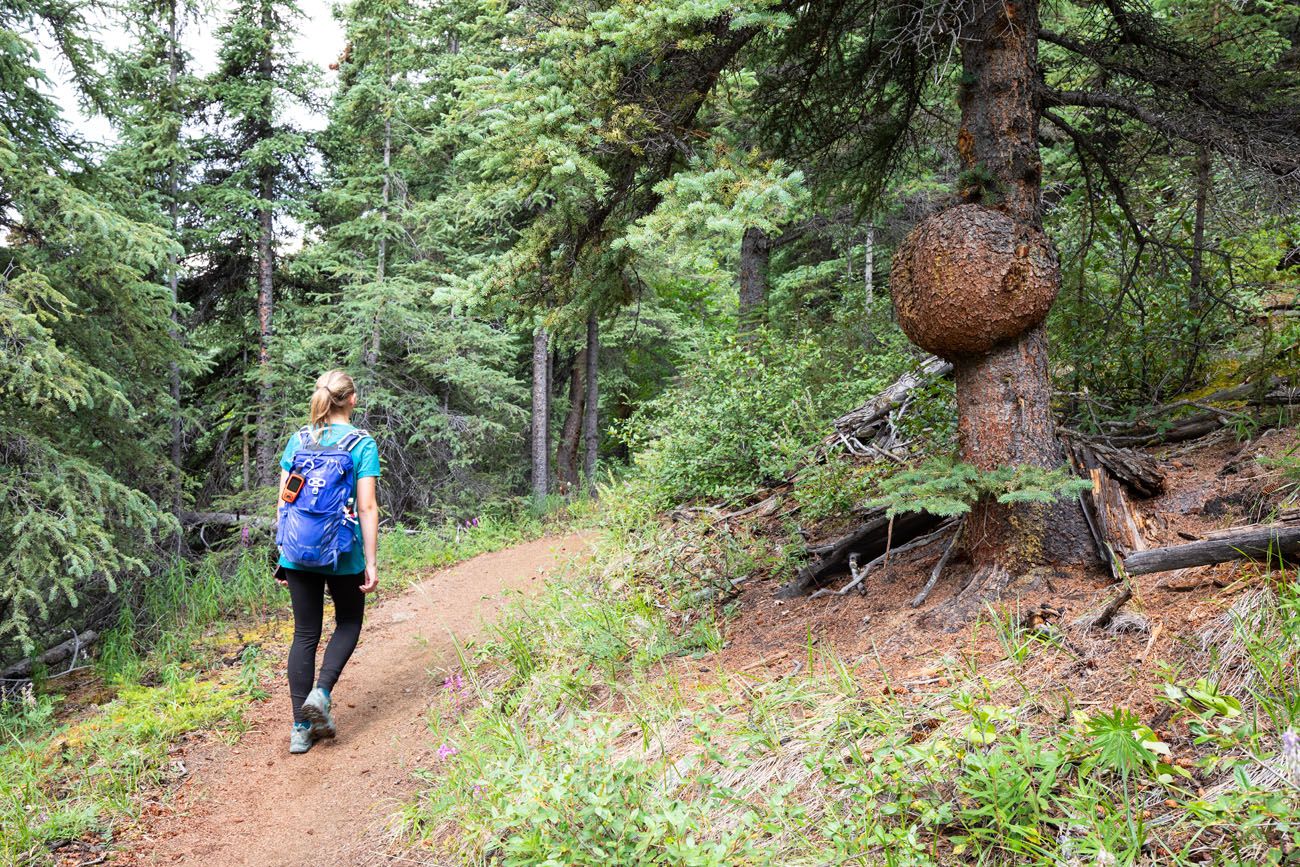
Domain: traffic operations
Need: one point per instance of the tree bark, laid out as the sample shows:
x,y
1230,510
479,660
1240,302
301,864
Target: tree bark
x,y
173,266
755,255
1004,396
541,415
381,258
1196,286
266,462
869,285
566,454
591,406
1198,300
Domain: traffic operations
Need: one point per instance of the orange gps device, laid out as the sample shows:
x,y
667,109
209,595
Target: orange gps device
x,y
292,487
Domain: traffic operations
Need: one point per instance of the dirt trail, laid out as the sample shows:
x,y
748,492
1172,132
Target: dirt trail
x,y
254,804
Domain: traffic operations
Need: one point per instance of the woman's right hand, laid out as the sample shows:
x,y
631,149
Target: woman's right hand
x,y
372,578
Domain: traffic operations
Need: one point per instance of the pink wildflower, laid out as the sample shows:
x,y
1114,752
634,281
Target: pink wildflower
x,y
1291,755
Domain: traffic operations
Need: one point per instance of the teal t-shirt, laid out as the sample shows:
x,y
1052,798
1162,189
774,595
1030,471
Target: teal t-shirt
x,y
365,460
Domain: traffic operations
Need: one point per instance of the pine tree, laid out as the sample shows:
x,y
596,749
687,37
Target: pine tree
x,y
436,375
256,177
86,351
155,95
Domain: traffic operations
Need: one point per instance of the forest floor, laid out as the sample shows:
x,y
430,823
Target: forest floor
x,y
254,804
783,709
1211,484
772,684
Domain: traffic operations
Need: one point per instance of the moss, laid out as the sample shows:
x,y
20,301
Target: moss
x,y
977,184
1027,522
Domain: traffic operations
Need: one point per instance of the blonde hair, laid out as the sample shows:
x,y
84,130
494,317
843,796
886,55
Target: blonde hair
x,y
333,389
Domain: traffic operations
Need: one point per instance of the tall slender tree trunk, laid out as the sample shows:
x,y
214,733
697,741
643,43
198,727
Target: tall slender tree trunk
x,y
566,455
381,258
869,285
173,265
1198,299
1004,397
755,256
590,415
266,394
246,461
266,462
541,415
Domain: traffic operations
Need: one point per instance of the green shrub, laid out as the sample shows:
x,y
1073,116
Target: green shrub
x,y
745,413
572,801
163,618
83,775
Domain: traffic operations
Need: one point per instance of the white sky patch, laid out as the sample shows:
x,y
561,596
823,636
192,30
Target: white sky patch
x,y
318,41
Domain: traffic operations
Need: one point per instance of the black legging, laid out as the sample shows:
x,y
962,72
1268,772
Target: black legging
x,y
307,593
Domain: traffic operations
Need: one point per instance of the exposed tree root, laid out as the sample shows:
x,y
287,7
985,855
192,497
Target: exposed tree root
x,y
859,575
987,584
920,598
1106,614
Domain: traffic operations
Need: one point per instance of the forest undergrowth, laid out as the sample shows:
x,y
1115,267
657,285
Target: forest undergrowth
x,y
604,724
81,749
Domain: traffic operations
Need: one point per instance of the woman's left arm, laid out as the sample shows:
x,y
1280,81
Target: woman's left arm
x,y
368,512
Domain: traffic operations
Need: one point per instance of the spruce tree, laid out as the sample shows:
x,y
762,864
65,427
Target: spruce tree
x,y
435,373
155,98
256,176
86,351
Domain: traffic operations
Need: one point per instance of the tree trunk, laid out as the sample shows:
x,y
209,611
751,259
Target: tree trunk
x,y
1198,301
246,462
566,454
541,415
1196,289
173,266
591,406
381,258
869,285
755,254
266,462
1004,396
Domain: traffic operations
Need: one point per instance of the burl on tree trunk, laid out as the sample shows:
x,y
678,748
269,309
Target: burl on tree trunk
x,y
974,284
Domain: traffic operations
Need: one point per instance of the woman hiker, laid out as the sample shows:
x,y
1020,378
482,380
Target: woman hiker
x,y
327,530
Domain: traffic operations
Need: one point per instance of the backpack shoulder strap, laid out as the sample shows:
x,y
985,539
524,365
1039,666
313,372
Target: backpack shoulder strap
x,y
351,439
304,436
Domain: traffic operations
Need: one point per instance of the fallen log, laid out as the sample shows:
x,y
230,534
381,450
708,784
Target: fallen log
x,y
22,669
1137,471
861,574
227,519
869,540
1252,542
1250,395
866,431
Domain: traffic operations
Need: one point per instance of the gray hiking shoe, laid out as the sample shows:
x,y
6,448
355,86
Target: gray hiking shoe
x,y
300,740
317,710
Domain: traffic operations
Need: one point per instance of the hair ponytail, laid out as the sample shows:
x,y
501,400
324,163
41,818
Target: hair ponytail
x,y
333,389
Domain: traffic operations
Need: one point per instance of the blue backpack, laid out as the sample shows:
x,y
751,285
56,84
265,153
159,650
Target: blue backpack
x,y
317,527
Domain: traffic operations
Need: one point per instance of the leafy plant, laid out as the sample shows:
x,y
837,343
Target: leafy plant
x,y
745,413
1125,745
949,488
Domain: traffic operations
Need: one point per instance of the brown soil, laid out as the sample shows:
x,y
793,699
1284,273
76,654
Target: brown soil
x,y
1213,483
254,804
